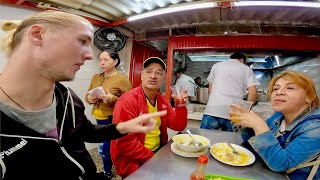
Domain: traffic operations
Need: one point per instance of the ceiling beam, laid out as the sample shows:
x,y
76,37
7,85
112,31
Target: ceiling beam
x,y
247,42
19,2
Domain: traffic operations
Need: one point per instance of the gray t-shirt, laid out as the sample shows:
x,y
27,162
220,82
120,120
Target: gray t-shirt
x,y
43,121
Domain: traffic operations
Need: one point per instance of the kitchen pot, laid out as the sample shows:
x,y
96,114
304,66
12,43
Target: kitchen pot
x,y
193,98
203,95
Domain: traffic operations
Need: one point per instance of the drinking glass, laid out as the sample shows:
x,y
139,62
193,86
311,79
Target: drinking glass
x,y
246,105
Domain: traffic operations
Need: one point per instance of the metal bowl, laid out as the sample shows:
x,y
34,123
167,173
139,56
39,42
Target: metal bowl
x,y
193,98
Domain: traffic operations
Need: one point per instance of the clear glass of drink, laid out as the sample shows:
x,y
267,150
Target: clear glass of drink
x,y
246,105
178,91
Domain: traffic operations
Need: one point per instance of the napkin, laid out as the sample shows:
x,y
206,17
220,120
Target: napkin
x,y
97,92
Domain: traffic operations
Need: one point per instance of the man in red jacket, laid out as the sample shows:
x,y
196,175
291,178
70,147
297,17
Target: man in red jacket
x,y
131,151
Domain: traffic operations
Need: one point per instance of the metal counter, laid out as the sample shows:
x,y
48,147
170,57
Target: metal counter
x,y
167,165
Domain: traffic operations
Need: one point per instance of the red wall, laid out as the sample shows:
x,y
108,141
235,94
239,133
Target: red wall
x,y
140,52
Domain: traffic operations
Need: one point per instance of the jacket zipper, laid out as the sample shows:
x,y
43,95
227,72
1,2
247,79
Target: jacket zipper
x,y
71,158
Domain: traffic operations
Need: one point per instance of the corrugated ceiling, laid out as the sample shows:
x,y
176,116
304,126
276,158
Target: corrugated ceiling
x,y
207,21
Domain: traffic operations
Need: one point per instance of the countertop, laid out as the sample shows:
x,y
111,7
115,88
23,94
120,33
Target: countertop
x,y
195,111
195,115
167,165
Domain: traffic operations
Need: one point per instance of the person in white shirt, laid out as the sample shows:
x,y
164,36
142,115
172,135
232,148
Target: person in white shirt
x,y
183,79
228,80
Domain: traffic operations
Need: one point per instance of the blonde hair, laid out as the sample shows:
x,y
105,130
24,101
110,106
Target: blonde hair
x,y
16,29
303,81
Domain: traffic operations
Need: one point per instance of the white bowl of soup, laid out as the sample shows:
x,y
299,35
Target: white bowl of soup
x,y
185,143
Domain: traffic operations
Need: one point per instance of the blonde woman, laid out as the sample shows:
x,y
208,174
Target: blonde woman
x,y
114,84
43,125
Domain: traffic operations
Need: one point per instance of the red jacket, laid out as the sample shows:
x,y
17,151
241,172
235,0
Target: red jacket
x,y
128,152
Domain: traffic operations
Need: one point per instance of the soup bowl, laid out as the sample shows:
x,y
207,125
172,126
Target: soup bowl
x,y
185,143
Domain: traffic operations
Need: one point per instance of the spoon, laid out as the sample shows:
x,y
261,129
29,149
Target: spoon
x,y
195,143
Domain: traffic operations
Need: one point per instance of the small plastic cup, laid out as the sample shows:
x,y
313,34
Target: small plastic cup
x,y
246,105
178,90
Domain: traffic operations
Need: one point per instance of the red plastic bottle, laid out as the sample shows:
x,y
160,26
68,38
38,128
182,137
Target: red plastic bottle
x,y
199,174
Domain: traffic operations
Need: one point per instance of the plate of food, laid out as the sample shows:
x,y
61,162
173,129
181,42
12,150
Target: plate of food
x,y
223,153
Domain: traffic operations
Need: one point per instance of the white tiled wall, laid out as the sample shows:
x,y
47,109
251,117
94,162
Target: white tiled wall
x,y
11,13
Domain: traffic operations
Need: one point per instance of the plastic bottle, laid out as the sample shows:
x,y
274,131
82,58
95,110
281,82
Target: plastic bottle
x,y
199,173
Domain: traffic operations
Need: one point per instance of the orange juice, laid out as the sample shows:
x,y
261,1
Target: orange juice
x,y
236,120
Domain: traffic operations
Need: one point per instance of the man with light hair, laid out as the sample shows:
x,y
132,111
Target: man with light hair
x,y
43,125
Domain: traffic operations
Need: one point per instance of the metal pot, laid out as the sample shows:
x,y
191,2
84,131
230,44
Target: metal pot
x,y
203,95
193,98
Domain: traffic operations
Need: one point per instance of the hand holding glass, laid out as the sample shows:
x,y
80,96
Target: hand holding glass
x,y
245,106
179,94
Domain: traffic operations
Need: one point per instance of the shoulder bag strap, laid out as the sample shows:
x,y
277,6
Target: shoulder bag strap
x,y
315,163
314,169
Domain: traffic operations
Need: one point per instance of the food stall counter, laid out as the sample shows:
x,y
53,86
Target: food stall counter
x,y
166,164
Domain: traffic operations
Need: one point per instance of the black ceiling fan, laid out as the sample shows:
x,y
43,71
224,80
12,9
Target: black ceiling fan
x,y
109,38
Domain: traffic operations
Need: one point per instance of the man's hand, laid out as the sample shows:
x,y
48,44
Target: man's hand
x,y
143,123
182,100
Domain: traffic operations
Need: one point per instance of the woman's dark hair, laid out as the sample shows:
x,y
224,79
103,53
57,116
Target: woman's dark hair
x,y
178,71
113,54
196,79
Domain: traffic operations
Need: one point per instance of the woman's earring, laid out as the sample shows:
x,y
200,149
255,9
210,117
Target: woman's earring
x,y
308,102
